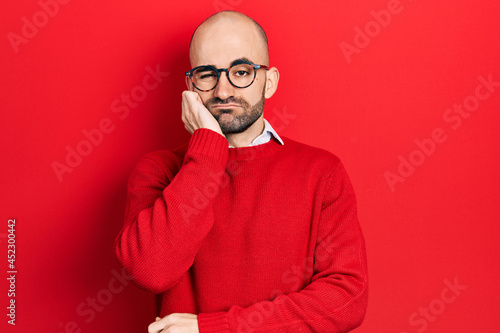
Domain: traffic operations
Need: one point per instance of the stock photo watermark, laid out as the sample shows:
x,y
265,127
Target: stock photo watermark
x,y
373,28
48,9
454,118
11,271
31,26
122,107
425,315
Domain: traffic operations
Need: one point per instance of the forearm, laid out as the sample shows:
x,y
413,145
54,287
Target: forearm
x,y
334,303
335,295
310,310
152,245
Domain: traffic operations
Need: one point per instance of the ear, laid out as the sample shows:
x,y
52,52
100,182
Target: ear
x,y
272,78
188,84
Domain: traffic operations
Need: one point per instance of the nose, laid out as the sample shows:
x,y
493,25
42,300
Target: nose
x,y
224,88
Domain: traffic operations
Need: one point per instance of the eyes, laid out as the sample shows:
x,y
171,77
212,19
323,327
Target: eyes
x,y
240,75
206,73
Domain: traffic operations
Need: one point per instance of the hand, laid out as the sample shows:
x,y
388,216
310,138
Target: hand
x,y
175,323
195,115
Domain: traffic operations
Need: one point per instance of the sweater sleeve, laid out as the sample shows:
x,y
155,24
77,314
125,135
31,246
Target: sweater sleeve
x,y
336,298
165,209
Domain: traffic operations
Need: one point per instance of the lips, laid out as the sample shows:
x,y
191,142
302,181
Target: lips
x,y
225,106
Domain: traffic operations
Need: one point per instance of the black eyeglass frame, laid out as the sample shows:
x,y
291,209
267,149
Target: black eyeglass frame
x,y
219,70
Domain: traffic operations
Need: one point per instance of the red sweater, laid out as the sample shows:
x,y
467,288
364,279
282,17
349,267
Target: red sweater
x,y
254,239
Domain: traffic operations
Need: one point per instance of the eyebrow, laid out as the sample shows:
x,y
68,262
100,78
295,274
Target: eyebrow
x,y
236,62
240,60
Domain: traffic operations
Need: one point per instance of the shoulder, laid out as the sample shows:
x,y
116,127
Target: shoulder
x,y
304,153
325,165
167,157
162,164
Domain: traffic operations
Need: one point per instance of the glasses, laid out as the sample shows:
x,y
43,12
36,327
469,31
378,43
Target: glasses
x,y
240,75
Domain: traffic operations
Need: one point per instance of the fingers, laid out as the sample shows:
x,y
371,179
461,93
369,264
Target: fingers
x,y
191,101
193,95
190,110
158,325
179,319
195,115
198,98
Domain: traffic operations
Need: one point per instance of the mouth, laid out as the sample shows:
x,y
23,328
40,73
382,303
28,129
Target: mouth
x,y
225,106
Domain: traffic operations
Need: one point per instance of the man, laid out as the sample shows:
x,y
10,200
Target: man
x,y
241,230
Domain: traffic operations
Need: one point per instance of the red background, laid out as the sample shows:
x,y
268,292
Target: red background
x,y
440,224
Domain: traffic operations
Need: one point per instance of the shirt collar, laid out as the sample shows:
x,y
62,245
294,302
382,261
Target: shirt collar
x,y
269,129
266,136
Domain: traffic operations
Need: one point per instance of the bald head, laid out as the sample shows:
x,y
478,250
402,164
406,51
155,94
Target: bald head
x,y
228,31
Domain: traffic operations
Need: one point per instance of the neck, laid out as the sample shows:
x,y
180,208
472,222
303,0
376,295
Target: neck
x,y
243,139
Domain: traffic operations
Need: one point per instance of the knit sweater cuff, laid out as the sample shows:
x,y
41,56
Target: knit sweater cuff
x,y
209,146
213,322
208,142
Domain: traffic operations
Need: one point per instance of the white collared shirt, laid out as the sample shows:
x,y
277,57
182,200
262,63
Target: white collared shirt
x,y
266,136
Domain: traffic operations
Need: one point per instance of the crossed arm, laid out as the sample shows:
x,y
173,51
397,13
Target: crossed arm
x,y
334,301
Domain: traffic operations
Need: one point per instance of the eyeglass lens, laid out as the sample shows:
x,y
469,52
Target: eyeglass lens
x,y
241,75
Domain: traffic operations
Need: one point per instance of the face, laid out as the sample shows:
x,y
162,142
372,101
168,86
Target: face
x,y
235,114
219,45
